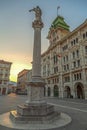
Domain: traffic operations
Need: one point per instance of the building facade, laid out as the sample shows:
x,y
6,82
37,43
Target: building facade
x,y
23,77
12,86
4,76
64,63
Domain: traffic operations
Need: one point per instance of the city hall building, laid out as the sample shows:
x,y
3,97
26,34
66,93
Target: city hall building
x,y
64,63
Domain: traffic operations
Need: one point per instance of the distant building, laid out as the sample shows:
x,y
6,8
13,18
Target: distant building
x,y
4,76
23,77
64,63
12,86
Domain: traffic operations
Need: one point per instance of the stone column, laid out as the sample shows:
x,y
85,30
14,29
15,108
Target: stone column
x,y
37,84
36,69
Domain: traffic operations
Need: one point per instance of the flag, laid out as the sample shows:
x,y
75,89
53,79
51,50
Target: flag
x,y
59,55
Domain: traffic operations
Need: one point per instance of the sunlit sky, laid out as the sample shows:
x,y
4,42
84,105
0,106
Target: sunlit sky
x,y
16,32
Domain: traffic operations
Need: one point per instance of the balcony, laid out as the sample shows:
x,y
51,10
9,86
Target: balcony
x,y
76,68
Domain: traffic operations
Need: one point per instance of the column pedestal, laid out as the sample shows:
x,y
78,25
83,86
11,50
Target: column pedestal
x,y
36,91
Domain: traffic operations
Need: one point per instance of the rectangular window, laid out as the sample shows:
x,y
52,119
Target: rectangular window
x,y
85,49
76,40
57,80
48,72
44,60
48,81
48,57
73,54
74,64
67,67
86,34
66,58
55,59
78,63
77,52
64,67
80,75
65,47
74,76
0,81
67,79
77,76
53,81
83,35
71,43
55,69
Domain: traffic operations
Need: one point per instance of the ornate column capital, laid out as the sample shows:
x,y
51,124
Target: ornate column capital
x,y
37,24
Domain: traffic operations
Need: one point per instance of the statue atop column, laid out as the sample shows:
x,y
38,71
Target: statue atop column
x,y
38,13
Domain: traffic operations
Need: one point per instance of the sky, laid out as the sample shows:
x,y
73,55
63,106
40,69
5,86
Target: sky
x,y
17,34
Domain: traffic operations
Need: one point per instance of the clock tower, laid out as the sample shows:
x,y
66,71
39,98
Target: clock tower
x,y
58,30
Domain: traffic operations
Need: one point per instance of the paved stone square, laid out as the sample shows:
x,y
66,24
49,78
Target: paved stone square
x,y
75,108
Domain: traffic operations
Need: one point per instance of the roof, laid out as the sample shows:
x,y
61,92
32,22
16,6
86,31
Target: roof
x,y
5,62
23,72
59,22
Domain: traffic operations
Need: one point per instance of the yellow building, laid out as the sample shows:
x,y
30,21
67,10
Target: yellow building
x,y
23,77
4,76
64,64
21,80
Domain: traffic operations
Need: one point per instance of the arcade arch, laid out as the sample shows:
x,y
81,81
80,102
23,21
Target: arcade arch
x,y
56,91
49,91
79,90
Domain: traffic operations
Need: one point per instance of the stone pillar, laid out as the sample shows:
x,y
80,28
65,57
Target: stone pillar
x,y
46,91
61,93
0,90
60,85
84,76
52,90
36,69
37,84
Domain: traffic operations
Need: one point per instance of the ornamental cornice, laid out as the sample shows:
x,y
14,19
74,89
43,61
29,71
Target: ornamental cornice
x,y
75,70
53,76
84,41
65,53
73,48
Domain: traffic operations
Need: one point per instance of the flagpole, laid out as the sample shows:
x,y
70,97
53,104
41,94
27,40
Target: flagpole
x,y
58,9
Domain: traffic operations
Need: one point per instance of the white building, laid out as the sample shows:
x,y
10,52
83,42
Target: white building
x,y
64,64
4,76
